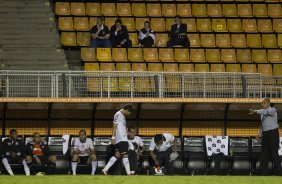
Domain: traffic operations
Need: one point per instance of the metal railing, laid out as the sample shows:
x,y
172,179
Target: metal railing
x,y
81,84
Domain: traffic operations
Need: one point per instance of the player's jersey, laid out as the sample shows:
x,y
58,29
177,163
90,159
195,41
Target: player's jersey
x,y
137,143
121,133
13,145
169,138
38,149
84,148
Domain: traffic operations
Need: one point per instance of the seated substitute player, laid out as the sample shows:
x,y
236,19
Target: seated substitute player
x,y
38,156
161,151
83,151
136,153
119,138
13,151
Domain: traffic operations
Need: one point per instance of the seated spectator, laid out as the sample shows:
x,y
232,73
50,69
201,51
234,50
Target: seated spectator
x,y
146,36
178,34
100,35
119,35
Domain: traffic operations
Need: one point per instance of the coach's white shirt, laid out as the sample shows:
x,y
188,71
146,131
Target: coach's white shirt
x,y
83,147
137,140
121,133
169,139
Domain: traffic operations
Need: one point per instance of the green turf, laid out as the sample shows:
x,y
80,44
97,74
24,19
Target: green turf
x,y
140,180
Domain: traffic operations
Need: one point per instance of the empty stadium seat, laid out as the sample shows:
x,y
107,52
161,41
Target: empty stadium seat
x,y
249,25
245,10
234,25
108,9
168,23
207,40
280,40
161,40
158,24
259,56
219,25
233,68
238,40
259,10
62,8
110,21
78,9
202,68
228,55
123,67
68,38
170,67
92,22
277,70
88,54
166,55
254,40
214,10
264,25
81,23
277,25
66,24
223,40
91,67
168,10
274,10
83,38
104,54
139,9
191,24
186,67
119,54
139,23
135,55
150,55
269,41
172,82
217,68
213,55
265,69
123,9
107,67
274,55
129,23
155,67
134,39
184,10
204,25
139,67
229,10
197,55
181,55
154,10
93,9
244,55
199,10
249,68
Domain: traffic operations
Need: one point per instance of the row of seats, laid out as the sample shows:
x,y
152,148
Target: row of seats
x,y
168,10
164,24
181,55
264,69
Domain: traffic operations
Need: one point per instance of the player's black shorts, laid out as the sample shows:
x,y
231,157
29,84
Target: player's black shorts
x,y
122,147
14,160
83,159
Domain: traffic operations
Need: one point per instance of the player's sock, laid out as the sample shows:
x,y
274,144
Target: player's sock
x,y
26,168
110,163
125,162
73,167
94,164
7,166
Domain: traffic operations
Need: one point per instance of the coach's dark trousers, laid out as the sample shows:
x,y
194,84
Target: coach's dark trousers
x,y
163,158
269,150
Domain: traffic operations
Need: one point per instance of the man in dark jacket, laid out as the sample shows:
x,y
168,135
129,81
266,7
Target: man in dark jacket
x,y
100,35
119,35
178,34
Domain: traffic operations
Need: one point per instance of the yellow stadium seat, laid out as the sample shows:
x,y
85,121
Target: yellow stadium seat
x,y
135,55
129,23
81,23
62,8
110,21
91,67
123,9
170,67
139,67
161,39
277,70
264,25
66,24
274,55
194,40
229,10
213,55
223,40
104,54
233,68
93,83
68,38
214,10
155,67
234,25
93,9
150,55
238,40
113,85
158,24
139,9
277,25
141,84
107,67
197,55
168,23
119,54
269,40
244,55
259,10
228,56
92,22
184,10
139,23
249,25
83,38
249,68
191,24
108,9
186,67
88,54
280,40
134,39
219,25
254,40
78,9
199,10
202,68
217,68
204,25
274,10
123,67
154,10
245,10
265,69
172,82
166,55
181,55
207,40
259,56
168,10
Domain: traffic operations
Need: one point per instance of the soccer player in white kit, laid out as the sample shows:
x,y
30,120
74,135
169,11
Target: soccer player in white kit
x,y
119,138
83,151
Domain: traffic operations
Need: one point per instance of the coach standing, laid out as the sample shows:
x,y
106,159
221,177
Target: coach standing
x,y
270,136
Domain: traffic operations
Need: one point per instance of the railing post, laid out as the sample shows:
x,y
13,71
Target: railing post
x,y
7,86
64,85
182,85
156,79
38,86
109,80
244,86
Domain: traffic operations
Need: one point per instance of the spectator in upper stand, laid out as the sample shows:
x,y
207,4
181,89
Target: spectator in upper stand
x,y
100,35
178,34
146,36
119,35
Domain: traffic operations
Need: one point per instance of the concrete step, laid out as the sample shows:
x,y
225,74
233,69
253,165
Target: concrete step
x,y
29,36
30,25
28,31
21,4
27,15
35,67
25,9
45,20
